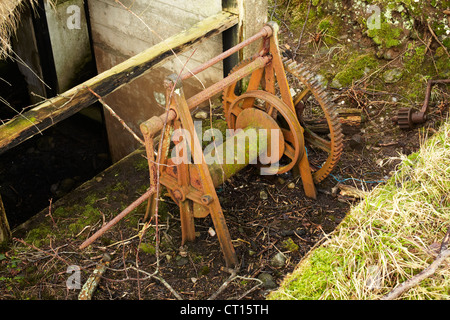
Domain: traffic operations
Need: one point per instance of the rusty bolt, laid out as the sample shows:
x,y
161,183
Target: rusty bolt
x,y
206,199
178,194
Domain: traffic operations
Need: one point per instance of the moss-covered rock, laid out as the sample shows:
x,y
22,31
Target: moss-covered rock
x,y
355,69
387,36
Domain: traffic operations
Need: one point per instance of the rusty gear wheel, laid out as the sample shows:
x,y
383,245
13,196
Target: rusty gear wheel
x,y
293,147
299,76
404,118
312,87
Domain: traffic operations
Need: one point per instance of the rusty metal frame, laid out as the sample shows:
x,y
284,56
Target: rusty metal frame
x,y
189,195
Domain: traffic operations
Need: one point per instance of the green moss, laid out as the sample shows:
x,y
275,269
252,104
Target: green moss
x,y
147,248
446,42
443,64
330,28
120,186
141,164
61,212
204,271
387,36
75,228
38,236
414,58
314,279
356,69
290,245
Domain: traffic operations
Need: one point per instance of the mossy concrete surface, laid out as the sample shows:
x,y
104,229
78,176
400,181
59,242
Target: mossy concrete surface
x,y
92,204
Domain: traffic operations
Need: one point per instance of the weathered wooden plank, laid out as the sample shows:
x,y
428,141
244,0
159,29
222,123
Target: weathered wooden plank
x,y
5,231
72,101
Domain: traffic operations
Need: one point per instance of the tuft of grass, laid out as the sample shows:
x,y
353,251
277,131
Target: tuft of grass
x,y
387,238
9,20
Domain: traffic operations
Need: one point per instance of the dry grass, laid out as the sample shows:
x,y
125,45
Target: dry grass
x,y
9,20
388,238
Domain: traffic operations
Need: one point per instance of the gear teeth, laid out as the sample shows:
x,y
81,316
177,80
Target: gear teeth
x,y
301,72
292,65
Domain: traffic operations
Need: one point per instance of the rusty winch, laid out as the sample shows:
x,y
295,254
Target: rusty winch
x,y
269,109
407,118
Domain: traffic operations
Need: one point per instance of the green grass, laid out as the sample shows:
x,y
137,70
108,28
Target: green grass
x,y
387,236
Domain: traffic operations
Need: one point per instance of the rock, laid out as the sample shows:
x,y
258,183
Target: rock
x,y
290,245
291,185
356,142
202,115
392,76
181,261
336,84
278,260
67,185
267,280
62,187
263,195
391,54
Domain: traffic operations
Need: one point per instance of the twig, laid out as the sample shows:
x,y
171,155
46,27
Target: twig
x,y
42,251
224,285
114,114
430,270
303,29
380,69
437,39
50,212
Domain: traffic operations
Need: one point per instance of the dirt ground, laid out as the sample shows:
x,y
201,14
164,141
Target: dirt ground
x,y
264,214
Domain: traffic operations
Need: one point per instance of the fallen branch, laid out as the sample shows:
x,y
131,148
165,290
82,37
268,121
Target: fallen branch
x,y
444,253
92,282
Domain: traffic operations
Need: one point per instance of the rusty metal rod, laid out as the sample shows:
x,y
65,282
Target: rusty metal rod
x,y
204,95
156,123
428,92
266,31
120,216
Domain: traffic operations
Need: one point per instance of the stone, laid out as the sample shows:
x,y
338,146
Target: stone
x,y
181,261
291,185
278,260
263,195
391,54
67,185
267,280
356,142
202,115
336,84
392,76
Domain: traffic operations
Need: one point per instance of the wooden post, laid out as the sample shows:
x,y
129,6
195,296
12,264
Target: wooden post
x,y
5,232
